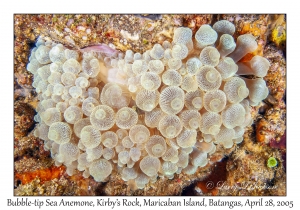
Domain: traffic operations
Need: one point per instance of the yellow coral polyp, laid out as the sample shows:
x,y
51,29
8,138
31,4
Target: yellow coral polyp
x,y
279,36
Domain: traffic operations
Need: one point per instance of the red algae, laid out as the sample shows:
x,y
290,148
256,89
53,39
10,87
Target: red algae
x,y
43,174
281,144
215,179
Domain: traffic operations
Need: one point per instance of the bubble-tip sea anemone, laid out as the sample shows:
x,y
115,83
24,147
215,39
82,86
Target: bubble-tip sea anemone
x,y
147,114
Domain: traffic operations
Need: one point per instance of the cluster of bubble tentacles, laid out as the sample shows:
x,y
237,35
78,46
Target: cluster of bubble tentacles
x,y
146,115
